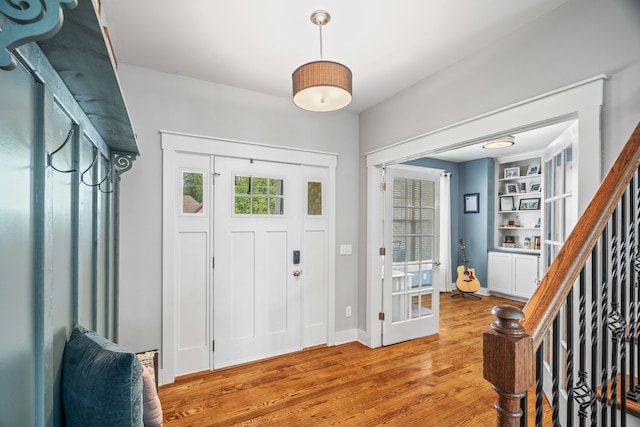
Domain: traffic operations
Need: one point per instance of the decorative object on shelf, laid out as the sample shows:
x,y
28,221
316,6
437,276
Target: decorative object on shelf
x,y
509,242
523,187
506,203
534,188
511,188
322,85
527,242
536,243
529,204
511,172
533,169
472,203
27,21
538,224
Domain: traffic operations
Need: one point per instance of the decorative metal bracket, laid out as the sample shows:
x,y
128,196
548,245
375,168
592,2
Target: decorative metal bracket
x,y
121,162
50,156
98,184
24,21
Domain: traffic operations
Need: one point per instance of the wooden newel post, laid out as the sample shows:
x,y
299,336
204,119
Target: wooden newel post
x,y
508,362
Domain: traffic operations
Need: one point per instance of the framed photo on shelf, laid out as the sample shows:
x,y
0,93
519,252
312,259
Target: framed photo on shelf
x,y
511,172
506,203
533,169
523,187
532,204
472,203
534,188
511,188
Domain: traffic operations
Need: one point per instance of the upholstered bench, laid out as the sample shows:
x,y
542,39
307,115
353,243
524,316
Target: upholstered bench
x,y
103,384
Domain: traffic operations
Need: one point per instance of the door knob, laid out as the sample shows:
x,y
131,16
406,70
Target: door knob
x,y
437,263
297,273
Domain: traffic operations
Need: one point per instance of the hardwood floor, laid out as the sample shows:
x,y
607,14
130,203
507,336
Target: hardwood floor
x,y
433,381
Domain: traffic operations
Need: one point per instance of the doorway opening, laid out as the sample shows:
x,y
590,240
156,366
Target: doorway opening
x,y
581,101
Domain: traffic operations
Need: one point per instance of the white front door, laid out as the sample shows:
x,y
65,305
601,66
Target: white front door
x,y
412,276
230,229
191,260
258,274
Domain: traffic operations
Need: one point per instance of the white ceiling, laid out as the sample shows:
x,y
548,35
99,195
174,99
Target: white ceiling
x,y
529,141
256,44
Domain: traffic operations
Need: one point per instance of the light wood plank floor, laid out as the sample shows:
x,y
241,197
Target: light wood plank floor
x,y
433,381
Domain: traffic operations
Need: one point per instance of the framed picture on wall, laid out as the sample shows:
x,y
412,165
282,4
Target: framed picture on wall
x,y
472,203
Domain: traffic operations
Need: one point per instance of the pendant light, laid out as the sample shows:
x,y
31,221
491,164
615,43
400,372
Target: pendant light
x,y
321,85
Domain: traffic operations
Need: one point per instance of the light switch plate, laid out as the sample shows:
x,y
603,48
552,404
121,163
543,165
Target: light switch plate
x,y
346,250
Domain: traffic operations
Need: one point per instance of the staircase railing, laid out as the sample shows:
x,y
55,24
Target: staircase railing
x,y
590,375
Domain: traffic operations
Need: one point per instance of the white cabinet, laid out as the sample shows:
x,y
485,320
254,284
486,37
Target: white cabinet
x,y
513,274
518,221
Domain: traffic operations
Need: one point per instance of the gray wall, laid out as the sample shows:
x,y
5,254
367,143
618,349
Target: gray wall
x,y
579,40
159,101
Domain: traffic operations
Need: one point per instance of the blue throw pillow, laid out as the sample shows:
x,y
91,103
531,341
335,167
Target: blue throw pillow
x,y
101,382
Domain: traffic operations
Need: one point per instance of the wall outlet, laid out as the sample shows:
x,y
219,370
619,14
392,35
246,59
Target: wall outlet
x,y
348,311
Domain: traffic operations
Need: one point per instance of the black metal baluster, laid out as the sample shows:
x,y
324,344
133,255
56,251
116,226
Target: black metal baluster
x,y
635,271
623,305
595,321
583,394
568,320
524,404
614,316
632,392
604,307
539,383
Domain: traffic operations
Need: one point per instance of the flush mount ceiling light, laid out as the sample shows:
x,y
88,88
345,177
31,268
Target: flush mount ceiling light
x,y
502,142
321,85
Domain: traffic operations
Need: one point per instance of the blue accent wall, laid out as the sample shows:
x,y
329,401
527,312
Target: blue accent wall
x,y
476,230
58,237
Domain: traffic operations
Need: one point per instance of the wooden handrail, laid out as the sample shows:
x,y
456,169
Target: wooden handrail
x,y
544,305
509,346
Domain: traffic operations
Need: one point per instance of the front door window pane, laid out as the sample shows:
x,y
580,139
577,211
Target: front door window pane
x,y
192,192
262,196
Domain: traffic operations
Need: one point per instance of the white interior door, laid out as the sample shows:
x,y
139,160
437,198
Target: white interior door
x,y
191,262
258,277
560,215
412,277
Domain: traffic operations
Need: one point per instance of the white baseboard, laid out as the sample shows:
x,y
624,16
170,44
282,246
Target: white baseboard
x,y
345,336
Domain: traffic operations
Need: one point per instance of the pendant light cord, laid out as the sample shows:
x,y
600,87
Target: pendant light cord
x,y
320,26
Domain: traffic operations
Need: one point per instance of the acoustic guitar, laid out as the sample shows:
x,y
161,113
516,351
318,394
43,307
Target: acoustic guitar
x,y
467,281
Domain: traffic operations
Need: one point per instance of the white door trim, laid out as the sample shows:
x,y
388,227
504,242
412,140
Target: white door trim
x,y
173,142
581,100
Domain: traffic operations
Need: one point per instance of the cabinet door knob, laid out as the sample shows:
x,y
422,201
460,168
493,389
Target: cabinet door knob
x,y
437,263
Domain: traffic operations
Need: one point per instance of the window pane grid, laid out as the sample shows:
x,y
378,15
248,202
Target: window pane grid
x,y
259,196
